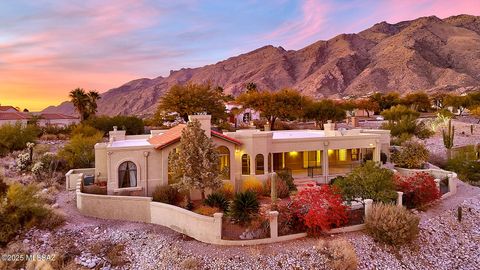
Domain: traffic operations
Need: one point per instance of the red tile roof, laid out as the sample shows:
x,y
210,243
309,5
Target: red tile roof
x,y
52,116
165,139
225,137
173,135
6,108
14,116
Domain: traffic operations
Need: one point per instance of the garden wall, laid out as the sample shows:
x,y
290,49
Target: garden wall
x,y
437,174
73,176
114,207
203,228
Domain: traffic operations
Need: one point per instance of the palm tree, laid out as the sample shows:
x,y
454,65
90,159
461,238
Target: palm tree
x,y
93,96
80,101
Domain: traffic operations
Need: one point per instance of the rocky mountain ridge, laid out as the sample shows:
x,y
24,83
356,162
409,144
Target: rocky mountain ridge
x,y
428,54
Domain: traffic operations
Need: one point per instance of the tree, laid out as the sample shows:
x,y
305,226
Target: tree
x,y
403,124
368,105
458,102
193,98
418,101
385,101
84,103
93,97
251,87
284,104
195,164
397,112
79,152
80,101
324,110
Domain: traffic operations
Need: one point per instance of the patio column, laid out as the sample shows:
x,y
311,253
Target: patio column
x,y
376,153
252,164
325,162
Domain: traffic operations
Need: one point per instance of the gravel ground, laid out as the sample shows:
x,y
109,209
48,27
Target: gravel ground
x,y
444,243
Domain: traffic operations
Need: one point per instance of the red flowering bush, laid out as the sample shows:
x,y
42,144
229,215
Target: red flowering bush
x,y
320,208
419,190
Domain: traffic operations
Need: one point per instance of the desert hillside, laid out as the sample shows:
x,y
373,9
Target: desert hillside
x,y
428,54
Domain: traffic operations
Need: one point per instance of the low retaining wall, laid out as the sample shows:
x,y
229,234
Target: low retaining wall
x,y
202,228
438,174
73,176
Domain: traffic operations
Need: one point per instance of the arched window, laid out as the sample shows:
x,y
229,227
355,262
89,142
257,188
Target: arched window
x,y
259,164
224,161
127,175
245,164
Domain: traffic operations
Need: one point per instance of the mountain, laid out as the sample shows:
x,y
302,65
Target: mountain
x,y
428,53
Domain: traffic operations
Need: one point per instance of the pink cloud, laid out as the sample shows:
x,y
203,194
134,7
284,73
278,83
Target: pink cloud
x,y
295,34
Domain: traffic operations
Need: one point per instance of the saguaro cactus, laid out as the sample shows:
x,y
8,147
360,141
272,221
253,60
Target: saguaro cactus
x,y
448,137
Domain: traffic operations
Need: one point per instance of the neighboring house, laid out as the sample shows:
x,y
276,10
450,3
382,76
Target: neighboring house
x,y
140,163
56,119
245,116
8,109
13,117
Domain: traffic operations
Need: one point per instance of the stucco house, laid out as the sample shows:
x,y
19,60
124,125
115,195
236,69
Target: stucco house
x,y
139,163
57,119
11,115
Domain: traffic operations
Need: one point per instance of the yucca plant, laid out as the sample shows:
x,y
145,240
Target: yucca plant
x,y
217,199
448,137
244,207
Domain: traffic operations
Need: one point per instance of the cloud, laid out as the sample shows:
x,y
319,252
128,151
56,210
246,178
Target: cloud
x,y
297,32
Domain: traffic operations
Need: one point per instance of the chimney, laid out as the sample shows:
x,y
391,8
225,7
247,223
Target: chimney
x,y
205,122
116,135
329,128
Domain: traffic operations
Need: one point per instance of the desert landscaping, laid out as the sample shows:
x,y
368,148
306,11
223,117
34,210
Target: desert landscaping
x,y
85,242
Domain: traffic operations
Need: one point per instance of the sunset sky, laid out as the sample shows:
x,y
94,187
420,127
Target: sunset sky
x,y
48,48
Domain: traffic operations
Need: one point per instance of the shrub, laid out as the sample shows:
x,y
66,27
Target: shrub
x,y
227,190
340,253
320,208
368,181
207,210
15,137
244,206
80,151
412,155
282,188
419,190
467,169
85,130
131,124
95,189
252,184
288,178
369,156
167,194
23,208
3,186
392,224
218,200
288,222
191,263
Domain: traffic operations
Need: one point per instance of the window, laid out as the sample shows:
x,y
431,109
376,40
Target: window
x,y
245,164
354,154
224,161
127,175
342,154
259,164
